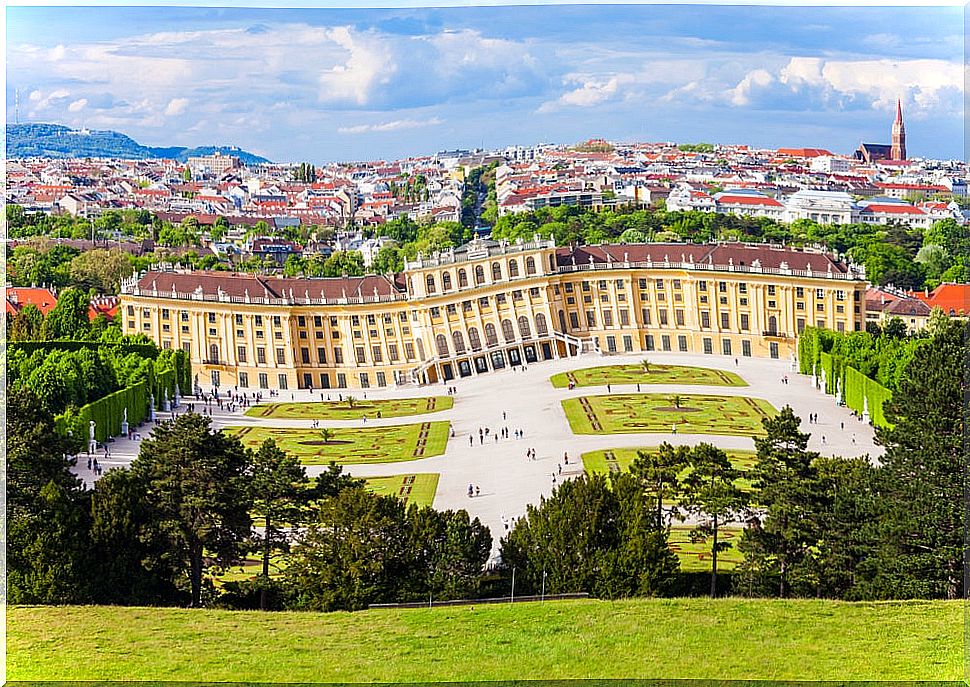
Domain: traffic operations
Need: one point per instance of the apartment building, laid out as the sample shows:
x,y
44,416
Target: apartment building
x,y
490,305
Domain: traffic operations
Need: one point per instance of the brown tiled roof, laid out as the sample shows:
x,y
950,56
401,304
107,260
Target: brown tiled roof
x,y
235,284
910,307
740,254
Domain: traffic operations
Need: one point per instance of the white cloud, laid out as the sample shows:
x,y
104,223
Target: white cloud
x,y
369,64
77,105
758,78
176,106
395,125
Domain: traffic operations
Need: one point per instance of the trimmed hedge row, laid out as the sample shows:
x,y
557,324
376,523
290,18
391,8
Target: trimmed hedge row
x,y
813,359
143,350
107,413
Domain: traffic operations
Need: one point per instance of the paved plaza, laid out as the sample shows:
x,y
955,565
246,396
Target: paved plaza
x,y
507,479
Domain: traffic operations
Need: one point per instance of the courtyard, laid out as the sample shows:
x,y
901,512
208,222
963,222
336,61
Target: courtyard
x,y
523,399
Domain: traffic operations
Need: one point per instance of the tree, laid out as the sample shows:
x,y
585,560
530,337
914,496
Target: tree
x,y
196,481
389,260
277,482
69,318
101,270
645,365
354,553
351,400
658,472
27,324
923,472
709,492
449,550
788,490
47,552
676,399
331,482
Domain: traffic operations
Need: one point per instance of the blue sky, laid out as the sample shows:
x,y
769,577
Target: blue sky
x,y
338,84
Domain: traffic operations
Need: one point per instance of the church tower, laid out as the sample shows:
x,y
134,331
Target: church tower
x,y
899,135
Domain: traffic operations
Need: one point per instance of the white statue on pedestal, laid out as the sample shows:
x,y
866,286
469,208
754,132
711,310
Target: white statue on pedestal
x,y
151,407
865,409
177,400
823,380
166,406
92,442
124,423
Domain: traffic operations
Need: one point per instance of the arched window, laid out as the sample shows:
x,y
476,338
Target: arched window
x,y
524,331
442,342
496,272
459,342
562,322
462,279
507,331
541,328
772,325
490,336
446,281
431,288
479,275
214,353
420,344
473,339
552,262
513,268
530,266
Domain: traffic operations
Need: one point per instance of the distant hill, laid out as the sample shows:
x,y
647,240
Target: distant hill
x,y
53,140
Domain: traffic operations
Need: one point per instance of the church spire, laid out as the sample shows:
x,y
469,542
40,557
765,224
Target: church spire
x,y
898,151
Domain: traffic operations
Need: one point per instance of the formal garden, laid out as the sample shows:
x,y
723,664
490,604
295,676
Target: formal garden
x,y
677,413
385,444
418,489
615,460
646,373
352,408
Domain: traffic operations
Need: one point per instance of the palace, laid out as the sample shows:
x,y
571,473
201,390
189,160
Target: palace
x,y
489,305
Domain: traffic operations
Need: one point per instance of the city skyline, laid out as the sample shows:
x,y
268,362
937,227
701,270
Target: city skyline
x,y
331,85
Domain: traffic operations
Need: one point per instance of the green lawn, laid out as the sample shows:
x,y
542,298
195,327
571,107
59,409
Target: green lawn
x,y
695,556
341,410
634,374
648,638
697,414
388,444
418,489
620,459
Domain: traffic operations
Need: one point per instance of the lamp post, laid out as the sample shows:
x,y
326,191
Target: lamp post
x,y
512,596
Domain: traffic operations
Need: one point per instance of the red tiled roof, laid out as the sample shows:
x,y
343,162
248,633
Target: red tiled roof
x,y
892,209
18,297
749,200
953,298
804,152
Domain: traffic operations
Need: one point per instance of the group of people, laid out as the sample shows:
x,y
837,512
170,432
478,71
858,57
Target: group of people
x,y
502,433
473,491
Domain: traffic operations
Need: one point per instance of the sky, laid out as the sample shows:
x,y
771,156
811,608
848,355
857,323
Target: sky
x,y
323,85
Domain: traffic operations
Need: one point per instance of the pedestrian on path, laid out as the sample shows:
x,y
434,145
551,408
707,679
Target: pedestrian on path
x,y
471,439
565,458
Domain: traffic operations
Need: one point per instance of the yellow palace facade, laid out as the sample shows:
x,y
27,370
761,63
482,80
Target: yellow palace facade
x,y
490,305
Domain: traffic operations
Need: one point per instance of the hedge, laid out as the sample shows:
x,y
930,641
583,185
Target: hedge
x,y
144,350
107,413
814,358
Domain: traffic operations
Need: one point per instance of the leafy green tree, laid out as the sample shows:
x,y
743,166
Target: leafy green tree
x,y
709,491
448,551
196,479
787,485
659,476
101,270
389,260
354,553
344,263
333,480
69,318
27,325
132,562
923,472
277,482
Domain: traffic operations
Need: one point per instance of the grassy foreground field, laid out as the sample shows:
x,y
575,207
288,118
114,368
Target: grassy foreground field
x,y
634,374
341,410
388,444
676,638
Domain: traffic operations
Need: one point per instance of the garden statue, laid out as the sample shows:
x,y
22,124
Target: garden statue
x,y
151,407
865,409
124,423
166,405
92,442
